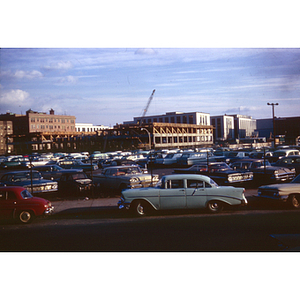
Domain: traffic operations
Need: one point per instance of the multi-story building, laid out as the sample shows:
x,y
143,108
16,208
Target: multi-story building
x,y
244,126
89,128
176,129
38,131
223,127
42,122
6,130
197,118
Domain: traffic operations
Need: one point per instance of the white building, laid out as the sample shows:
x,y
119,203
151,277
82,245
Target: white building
x,y
88,128
223,127
197,118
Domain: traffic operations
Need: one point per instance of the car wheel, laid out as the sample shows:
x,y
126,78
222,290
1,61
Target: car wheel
x,y
25,217
294,201
215,206
140,208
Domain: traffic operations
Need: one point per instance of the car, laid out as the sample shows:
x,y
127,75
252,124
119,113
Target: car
x,y
76,164
283,153
291,162
18,204
182,191
288,193
54,172
17,162
74,183
220,172
124,177
263,171
32,180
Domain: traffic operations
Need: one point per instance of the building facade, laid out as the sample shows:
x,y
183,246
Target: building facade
x,y
197,118
43,122
89,128
177,129
223,127
6,131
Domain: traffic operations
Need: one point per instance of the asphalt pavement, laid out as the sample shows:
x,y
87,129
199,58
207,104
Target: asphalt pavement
x,y
86,202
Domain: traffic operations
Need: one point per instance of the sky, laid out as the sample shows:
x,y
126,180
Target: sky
x,y
105,86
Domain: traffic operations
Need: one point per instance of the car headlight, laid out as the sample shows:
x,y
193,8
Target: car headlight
x,y
134,179
229,178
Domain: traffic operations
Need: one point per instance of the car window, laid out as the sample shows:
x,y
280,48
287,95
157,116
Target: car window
x,y
245,166
25,194
195,184
79,176
174,184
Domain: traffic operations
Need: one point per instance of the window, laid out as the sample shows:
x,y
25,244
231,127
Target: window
x,y
174,184
195,184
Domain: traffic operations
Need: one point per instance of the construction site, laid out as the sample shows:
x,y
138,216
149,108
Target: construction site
x,y
40,132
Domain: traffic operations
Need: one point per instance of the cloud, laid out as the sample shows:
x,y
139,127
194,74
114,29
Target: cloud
x,y
58,66
68,80
20,74
28,75
145,51
14,97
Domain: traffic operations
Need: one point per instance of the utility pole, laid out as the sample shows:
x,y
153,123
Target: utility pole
x,y
273,104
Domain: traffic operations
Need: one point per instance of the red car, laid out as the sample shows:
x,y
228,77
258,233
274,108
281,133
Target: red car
x,y
17,203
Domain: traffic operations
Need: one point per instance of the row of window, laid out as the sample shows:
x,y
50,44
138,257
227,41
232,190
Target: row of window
x,y
51,120
33,126
185,139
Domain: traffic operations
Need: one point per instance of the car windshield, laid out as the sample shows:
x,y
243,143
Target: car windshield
x,y
213,183
26,176
79,176
25,194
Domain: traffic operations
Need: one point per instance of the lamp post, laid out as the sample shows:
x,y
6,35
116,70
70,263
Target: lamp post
x,y
149,137
150,157
273,104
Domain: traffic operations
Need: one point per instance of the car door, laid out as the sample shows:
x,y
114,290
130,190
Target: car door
x,y
173,195
7,204
195,193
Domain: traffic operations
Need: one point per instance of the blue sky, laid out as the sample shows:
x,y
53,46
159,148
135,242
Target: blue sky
x,y
111,85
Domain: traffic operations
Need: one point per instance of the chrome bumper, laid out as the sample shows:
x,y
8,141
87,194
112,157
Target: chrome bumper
x,y
49,211
122,204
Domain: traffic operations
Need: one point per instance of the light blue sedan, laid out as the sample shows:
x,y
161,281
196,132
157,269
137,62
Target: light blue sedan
x,y
182,191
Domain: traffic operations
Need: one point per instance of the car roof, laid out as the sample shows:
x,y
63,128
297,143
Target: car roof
x,y
248,160
9,188
20,172
118,167
186,176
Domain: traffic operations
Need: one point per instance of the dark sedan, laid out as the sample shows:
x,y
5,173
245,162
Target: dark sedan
x,y
291,162
263,171
31,180
77,164
74,183
220,172
54,172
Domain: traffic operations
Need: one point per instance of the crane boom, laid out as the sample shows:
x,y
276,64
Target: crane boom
x,y
147,106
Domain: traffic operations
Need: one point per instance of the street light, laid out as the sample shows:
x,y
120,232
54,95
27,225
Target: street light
x,y
149,136
273,104
150,156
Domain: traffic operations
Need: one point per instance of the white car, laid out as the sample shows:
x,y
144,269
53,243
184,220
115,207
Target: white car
x,y
284,192
182,191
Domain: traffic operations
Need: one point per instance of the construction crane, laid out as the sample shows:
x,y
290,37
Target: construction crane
x,y
147,106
